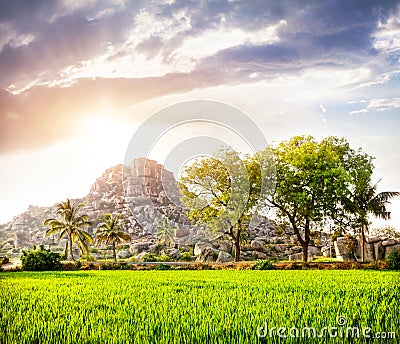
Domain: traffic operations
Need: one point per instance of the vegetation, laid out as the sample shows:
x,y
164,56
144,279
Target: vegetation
x,y
308,183
40,260
70,225
263,265
366,200
192,306
110,232
165,233
393,260
219,193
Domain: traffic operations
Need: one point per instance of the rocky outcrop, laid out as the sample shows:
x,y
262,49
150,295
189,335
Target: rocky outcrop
x,y
146,194
374,249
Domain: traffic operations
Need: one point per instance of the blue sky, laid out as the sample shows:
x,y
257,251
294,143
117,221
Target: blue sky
x,y
77,78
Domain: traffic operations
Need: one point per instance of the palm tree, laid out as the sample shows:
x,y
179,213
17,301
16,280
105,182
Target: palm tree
x,y
71,225
165,233
367,201
109,231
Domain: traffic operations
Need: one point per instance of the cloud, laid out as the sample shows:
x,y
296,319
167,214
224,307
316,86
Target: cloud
x,y
377,104
63,58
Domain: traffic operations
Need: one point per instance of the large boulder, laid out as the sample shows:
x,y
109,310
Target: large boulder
x,y
139,247
200,247
222,244
369,251
224,257
123,254
314,251
258,245
388,242
373,240
343,253
379,250
390,249
140,256
207,255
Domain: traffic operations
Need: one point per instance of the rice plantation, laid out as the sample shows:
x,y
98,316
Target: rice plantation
x,y
225,306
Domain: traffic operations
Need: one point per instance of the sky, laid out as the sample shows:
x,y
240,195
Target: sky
x,y
78,78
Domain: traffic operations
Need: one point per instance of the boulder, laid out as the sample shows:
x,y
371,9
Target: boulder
x,y
207,255
258,245
388,242
390,249
373,240
369,251
224,257
379,250
181,232
259,255
342,251
314,251
222,244
201,246
299,256
123,254
174,253
139,247
140,256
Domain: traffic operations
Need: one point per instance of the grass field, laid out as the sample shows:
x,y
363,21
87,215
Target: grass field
x,y
194,306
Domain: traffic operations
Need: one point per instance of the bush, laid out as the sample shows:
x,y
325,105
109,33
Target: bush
x,y
393,260
149,257
163,267
186,257
4,260
40,260
263,265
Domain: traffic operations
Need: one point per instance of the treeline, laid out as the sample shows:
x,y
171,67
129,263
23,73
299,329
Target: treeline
x,y
306,183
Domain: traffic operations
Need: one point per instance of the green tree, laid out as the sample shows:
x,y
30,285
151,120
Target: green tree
x,y
310,182
109,232
70,225
218,191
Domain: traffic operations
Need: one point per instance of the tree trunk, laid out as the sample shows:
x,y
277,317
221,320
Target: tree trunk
x,y
114,254
303,242
362,244
237,248
304,246
70,248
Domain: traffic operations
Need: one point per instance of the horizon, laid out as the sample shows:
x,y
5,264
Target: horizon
x,y
79,79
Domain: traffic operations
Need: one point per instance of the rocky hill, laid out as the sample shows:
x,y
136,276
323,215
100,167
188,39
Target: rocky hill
x,y
146,194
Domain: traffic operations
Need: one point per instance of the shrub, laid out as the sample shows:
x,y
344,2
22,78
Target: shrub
x,y
393,260
4,260
149,257
40,260
263,265
163,267
186,257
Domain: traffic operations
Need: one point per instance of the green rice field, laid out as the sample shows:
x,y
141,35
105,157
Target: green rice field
x,y
226,306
